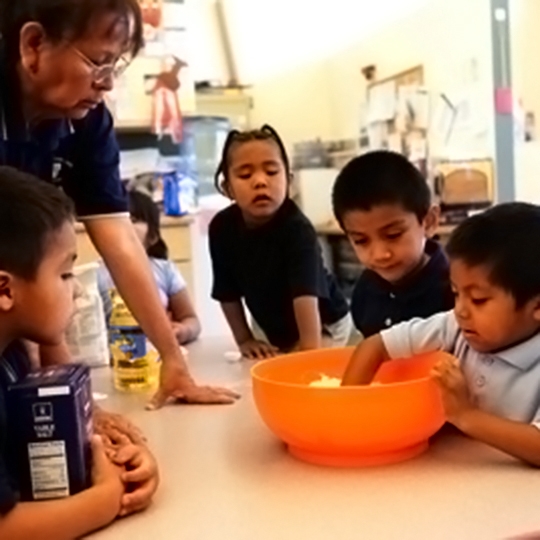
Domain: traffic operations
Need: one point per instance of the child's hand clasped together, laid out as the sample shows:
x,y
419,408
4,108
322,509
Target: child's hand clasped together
x,y
140,473
455,393
107,477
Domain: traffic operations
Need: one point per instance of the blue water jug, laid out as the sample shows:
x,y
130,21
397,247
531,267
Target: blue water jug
x,y
171,194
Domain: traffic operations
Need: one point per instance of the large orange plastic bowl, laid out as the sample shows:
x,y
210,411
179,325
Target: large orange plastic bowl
x,y
349,426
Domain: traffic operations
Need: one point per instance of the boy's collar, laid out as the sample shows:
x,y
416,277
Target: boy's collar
x,y
522,355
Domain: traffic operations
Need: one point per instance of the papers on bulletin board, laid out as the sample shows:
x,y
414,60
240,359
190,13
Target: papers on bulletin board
x,y
460,127
175,41
471,109
377,135
418,147
395,143
413,108
174,13
382,102
444,116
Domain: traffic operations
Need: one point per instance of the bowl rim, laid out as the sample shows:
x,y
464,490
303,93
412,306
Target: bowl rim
x,y
348,388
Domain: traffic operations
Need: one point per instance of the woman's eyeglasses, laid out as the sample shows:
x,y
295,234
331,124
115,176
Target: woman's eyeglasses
x,y
103,71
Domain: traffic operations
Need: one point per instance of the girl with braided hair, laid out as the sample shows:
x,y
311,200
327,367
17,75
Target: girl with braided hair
x,y
265,253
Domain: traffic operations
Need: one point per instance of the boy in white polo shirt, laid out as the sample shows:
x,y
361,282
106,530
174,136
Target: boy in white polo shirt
x,y
492,392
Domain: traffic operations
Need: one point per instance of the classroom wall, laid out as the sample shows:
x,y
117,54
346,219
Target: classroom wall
x,y
451,40
205,42
525,42
285,47
304,59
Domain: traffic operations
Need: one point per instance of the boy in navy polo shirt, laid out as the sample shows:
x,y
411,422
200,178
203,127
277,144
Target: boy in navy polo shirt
x,y
37,253
383,204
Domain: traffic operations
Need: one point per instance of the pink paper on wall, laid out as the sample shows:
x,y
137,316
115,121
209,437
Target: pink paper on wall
x,y
503,100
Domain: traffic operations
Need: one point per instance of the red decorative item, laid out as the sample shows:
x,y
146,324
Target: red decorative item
x,y
166,113
151,12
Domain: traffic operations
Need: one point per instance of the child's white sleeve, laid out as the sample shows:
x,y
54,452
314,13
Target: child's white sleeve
x,y
174,279
417,336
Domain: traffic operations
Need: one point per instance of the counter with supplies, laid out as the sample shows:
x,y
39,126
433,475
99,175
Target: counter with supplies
x,y
225,476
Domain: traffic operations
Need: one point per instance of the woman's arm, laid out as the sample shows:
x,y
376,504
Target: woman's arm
x,y
186,325
116,241
308,320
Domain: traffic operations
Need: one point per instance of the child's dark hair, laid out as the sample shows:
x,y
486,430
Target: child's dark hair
x,y
235,137
31,211
142,208
377,178
505,240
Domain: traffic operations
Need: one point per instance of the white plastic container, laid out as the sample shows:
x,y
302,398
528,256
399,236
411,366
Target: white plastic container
x,y
87,337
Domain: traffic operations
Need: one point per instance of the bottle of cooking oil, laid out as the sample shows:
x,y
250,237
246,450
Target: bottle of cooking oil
x,y
135,360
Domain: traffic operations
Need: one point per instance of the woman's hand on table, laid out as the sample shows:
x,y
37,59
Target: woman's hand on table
x,y
253,349
454,391
177,386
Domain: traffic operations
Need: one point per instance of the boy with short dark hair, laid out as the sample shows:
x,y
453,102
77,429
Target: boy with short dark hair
x,y
37,253
491,391
383,204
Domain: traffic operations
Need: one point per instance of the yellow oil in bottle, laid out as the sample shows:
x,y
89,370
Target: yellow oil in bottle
x,y
135,361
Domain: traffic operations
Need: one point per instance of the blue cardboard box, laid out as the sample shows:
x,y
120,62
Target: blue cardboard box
x,y
49,420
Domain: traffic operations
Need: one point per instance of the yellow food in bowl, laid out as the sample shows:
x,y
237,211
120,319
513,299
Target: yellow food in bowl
x,y
326,382
332,382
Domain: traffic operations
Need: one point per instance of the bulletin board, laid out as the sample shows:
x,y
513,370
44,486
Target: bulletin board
x,y
408,77
398,115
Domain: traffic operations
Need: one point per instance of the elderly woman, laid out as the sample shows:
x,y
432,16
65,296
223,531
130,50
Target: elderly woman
x,y
58,58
